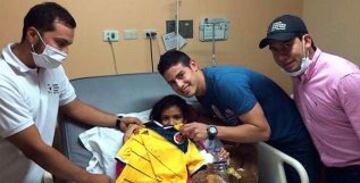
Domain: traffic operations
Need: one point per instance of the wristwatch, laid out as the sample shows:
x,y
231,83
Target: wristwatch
x,y
212,131
118,122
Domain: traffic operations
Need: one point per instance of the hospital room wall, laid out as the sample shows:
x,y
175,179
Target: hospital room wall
x,y
90,56
335,26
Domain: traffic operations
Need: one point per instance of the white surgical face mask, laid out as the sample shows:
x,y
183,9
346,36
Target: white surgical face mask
x,y
50,57
305,62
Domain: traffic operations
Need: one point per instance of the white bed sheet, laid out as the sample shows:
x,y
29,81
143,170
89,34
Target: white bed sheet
x,y
103,143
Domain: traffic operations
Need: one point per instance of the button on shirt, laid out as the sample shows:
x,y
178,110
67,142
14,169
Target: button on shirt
x,y
28,96
327,96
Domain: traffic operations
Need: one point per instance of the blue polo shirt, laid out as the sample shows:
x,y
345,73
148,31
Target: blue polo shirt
x,y
233,90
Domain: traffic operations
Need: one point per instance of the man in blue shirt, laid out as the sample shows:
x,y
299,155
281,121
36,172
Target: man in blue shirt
x,y
250,108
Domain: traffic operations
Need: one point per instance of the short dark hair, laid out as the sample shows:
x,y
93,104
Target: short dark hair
x,y
171,58
167,102
42,17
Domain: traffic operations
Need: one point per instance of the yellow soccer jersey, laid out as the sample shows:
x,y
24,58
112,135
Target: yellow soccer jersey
x,y
158,154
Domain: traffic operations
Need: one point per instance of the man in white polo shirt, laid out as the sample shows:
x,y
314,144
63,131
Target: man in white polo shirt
x,y
33,85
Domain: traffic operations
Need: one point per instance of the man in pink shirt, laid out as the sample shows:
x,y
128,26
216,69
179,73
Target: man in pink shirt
x,y
327,93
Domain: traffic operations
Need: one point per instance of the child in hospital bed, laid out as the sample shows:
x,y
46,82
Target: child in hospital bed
x,y
159,152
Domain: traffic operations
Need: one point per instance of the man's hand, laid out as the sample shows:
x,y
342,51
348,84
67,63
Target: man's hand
x,y
126,121
196,131
132,128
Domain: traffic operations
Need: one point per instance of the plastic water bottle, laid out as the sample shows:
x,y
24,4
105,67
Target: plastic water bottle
x,y
217,171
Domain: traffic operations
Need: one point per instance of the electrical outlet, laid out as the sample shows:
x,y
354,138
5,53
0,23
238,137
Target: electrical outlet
x,y
150,32
110,35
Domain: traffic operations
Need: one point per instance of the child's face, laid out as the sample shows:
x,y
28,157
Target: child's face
x,y
172,116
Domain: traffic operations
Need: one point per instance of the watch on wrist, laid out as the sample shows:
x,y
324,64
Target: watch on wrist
x,y
212,131
118,122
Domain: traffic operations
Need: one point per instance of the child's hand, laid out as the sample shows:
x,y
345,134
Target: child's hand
x,y
132,129
224,155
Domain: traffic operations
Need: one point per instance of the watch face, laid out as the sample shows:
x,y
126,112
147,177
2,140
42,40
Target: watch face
x,y
212,130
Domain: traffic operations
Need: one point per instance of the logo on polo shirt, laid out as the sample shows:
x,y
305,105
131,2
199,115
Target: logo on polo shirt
x,y
53,88
229,113
217,112
228,116
278,26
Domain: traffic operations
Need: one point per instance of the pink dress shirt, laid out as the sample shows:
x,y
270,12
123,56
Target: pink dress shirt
x,y
328,98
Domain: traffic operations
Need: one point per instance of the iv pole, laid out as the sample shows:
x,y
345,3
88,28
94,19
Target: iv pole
x,y
177,24
219,26
213,59
213,55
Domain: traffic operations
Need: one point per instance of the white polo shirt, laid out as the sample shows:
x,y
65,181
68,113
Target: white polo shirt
x,y
28,96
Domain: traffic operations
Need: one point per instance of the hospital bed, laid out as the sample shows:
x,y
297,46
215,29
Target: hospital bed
x,y
138,92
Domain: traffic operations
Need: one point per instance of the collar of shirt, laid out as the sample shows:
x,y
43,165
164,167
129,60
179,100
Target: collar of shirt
x,y
161,125
311,69
14,61
208,91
